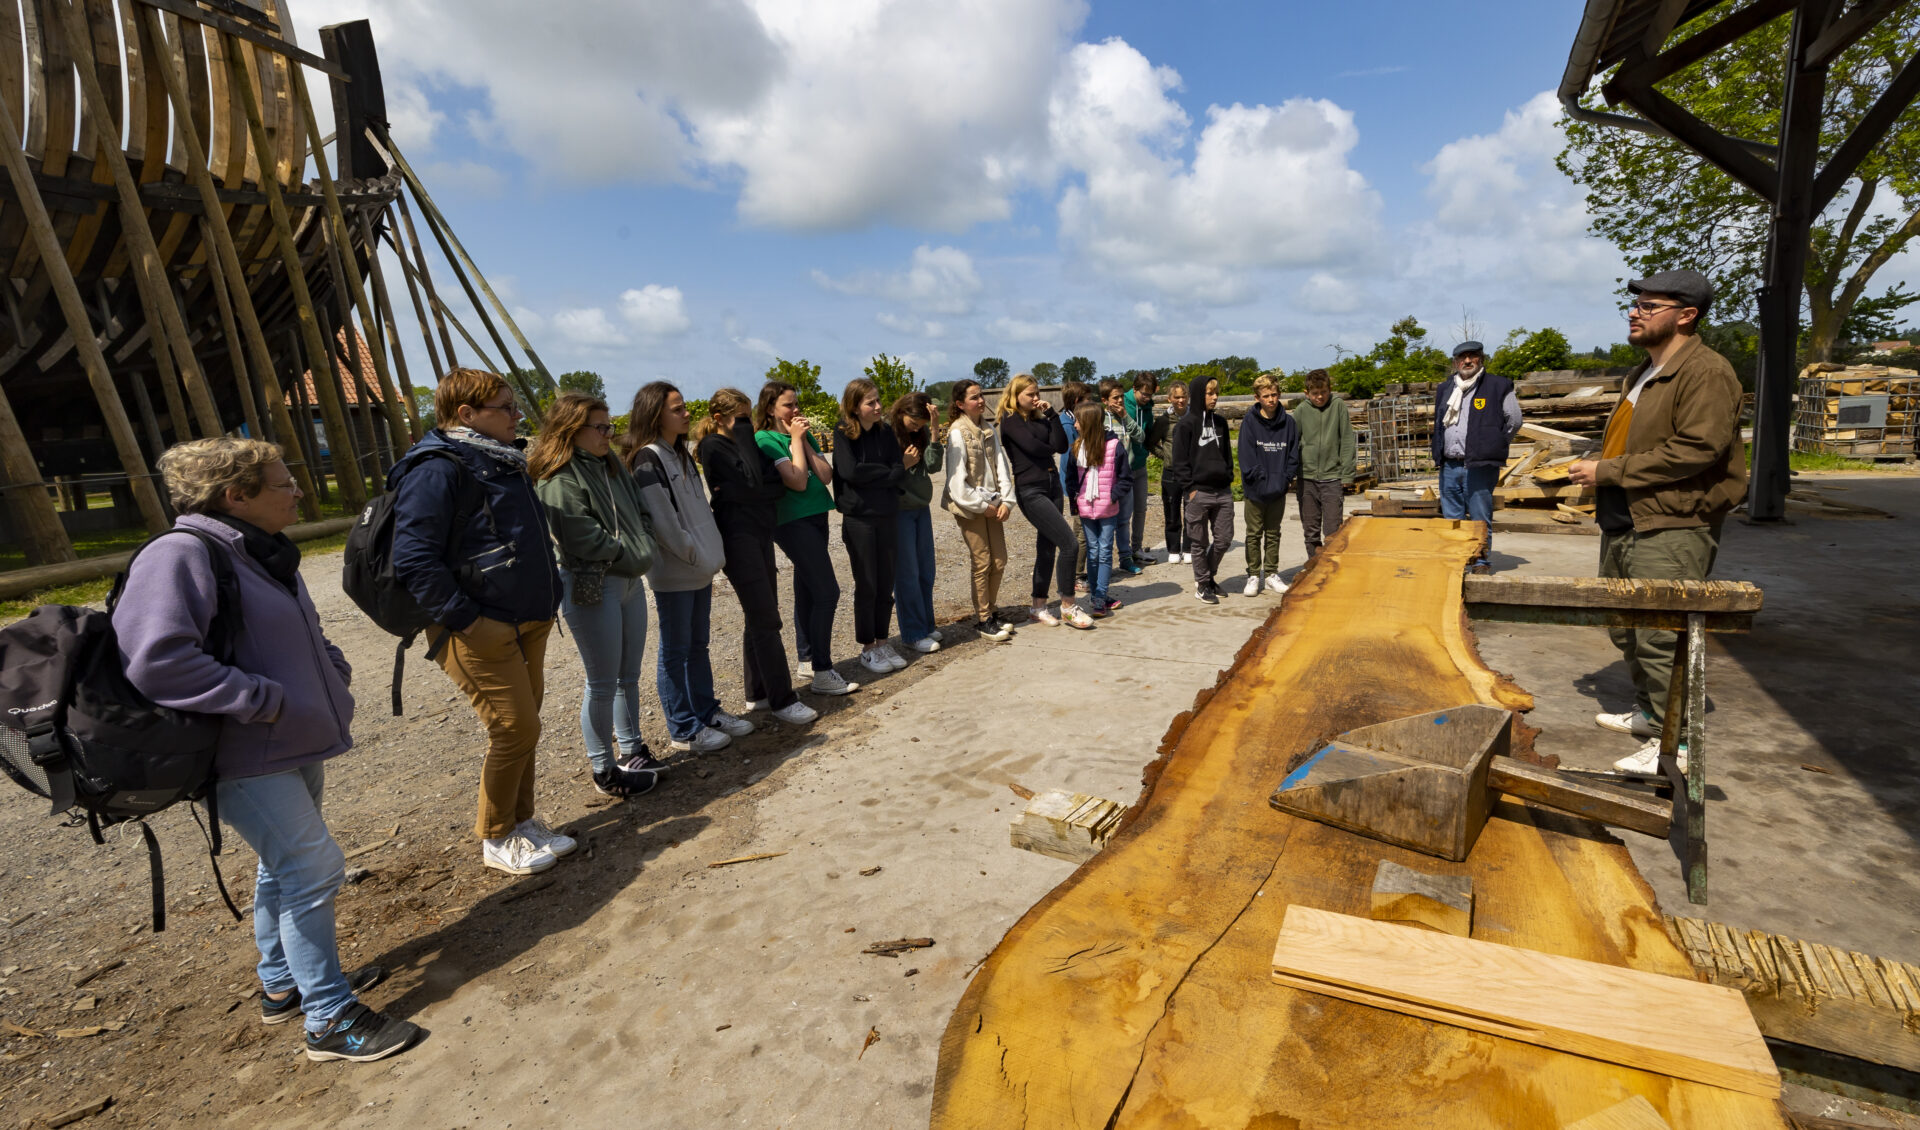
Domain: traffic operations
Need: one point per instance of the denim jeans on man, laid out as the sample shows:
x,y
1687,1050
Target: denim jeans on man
x,y
913,574
301,868
1467,492
684,673
611,636
1102,533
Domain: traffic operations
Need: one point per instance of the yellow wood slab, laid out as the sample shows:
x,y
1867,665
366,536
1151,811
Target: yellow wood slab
x,y
1137,993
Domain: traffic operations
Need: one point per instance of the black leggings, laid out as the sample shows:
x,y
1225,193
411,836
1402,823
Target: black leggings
x,y
873,550
1173,508
1054,554
750,569
815,591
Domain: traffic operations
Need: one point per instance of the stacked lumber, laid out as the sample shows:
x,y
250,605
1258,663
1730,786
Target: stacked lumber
x,y
1860,410
1808,993
1069,826
1138,992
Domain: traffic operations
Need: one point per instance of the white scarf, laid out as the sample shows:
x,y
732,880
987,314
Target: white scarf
x,y
487,445
1461,390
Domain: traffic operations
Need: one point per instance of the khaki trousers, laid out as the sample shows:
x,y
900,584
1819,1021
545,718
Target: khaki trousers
x,y
501,667
1672,555
987,545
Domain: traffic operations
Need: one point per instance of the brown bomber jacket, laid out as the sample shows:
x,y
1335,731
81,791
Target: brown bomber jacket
x,y
1684,465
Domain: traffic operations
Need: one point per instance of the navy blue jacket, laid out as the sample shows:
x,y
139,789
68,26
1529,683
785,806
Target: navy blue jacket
x,y
1485,411
498,565
1269,454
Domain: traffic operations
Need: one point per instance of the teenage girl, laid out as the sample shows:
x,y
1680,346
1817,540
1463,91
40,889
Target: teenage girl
x,y
800,527
914,426
979,495
868,468
1099,459
1031,433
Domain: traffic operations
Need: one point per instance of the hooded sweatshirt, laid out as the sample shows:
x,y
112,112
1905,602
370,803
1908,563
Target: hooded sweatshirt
x,y
1201,458
1269,454
684,532
1328,447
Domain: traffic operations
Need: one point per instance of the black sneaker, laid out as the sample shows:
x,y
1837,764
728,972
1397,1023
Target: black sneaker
x,y
361,1034
642,760
1205,593
287,1007
619,781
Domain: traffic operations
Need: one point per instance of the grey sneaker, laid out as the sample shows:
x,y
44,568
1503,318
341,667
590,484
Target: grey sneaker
x,y
731,726
830,681
706,741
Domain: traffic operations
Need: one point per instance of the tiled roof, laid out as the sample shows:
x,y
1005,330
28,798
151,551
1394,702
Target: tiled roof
x,y
367,371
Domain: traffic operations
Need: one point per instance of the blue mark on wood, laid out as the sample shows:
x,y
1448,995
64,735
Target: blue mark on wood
x,y
1440,721
1297,775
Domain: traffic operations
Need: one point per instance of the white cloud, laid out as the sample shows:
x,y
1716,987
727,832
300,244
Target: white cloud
x,y
757,345
589,328
1323,293
1026,332
1267,187
910,325
940,280
655,310
467,176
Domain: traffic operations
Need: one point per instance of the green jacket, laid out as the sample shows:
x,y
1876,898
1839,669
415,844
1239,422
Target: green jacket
x,y
1684,464
593,508
1160,437
916,490
1137,435
1328,448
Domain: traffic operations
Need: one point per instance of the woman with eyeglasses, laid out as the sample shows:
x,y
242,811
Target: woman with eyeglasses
x,y
916,427
600,528
471,543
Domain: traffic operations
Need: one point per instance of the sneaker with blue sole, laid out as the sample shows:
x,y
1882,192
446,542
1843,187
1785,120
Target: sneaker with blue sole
x,y
361,1034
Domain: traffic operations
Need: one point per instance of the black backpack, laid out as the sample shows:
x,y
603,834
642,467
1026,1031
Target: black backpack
x,y
366,570
76,732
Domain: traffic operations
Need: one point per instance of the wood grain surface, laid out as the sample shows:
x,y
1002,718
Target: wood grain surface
x,y
1138,993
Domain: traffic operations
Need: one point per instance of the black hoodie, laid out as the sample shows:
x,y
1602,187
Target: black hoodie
x,y
1201,458
1269,454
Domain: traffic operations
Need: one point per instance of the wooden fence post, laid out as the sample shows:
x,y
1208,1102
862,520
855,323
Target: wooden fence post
x,y
36,522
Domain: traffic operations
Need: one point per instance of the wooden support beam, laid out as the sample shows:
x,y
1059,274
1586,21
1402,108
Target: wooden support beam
x,y
1613,592
340,442
383,309
231,29
426,281
36,522
54,262
1867,133
1659,65
145,264
445,315
342,244
231,272
230,335
1725,152
1843,32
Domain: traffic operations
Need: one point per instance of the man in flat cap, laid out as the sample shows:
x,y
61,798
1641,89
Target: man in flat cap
x,y
1671,466
1475,416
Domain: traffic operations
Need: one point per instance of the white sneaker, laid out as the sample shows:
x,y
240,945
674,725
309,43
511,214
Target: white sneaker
x,y
875,662
536,830
926,646
1275,584
516,855
758,704
829,681
731,726
796,713
893,658
1253,586
993,630
1628,722
1186,559
1646,760
1040,615
706,741
936,637
1075,616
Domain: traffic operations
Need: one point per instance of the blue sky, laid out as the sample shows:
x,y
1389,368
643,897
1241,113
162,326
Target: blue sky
x,y
684,190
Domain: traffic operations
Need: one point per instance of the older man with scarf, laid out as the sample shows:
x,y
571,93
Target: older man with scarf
x,y
1475,417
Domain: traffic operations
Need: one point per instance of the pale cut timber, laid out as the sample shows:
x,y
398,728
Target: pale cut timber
x,y
1870,1011
1614,592
1555,438
1440,902
1634,1114
1539,491
1069,826
1135,993
1671,1025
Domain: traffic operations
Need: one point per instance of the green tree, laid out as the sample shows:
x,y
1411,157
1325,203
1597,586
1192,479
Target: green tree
x,y
815,403
1536,352
1665,206
893,377
992,372
583,380
1046,372
1402,358
1078,369
423,405
1236,374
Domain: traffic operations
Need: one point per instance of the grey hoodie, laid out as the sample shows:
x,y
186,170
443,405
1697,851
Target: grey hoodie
x,y
684,532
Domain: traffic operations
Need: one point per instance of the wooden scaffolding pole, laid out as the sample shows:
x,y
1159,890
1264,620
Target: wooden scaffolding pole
x,y
319,357
343,256
384,308
37,523
53,259
147,268
234,275
438,222
426,280
440,311
216,279
419,309
354,346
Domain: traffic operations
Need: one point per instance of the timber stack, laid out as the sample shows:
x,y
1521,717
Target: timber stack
x,y
179,285
1860,411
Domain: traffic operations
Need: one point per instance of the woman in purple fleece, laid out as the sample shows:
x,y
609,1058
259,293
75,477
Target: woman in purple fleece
x,y
283,695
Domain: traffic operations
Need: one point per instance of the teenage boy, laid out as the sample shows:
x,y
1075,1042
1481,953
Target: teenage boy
x,y
1122,423
1172,490
1139,406
1328,451
1269,462
1204,462
1475,417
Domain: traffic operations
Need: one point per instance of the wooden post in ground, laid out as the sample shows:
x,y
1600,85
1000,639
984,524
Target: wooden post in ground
x,y
54,261
356,348
217,281
146,266
304,441
234,275
319,357
335,376
426,280
343,255
36,523
384,310
143,402
419,308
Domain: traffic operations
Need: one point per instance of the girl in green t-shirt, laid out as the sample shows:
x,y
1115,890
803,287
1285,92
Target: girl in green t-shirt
x,y
800,527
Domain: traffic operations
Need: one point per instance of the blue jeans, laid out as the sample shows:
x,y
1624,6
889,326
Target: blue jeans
x,y
1101,535
913,574
611,636
1467,492
684,673
300,872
